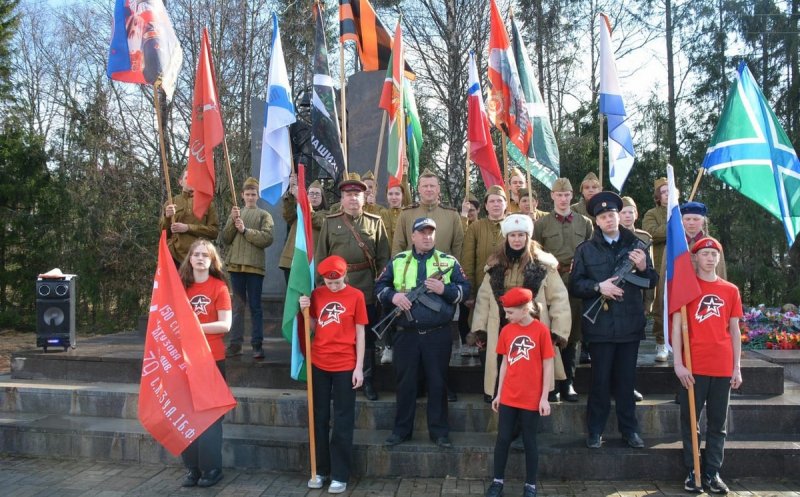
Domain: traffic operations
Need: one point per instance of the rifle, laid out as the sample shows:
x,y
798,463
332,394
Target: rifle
x,y
418,294
623,273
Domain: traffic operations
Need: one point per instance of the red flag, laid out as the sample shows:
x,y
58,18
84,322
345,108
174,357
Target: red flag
x,y
206,131
182,392
507,107
481,148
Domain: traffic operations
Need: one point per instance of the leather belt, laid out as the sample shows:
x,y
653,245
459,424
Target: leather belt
x,y
358,267
423,331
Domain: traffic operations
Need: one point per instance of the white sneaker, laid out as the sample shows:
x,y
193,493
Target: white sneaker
x,y
661,353
317,482
337,487
386,355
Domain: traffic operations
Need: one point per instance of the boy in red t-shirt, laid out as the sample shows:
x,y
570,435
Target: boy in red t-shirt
x,y
715,346
525,376
339,314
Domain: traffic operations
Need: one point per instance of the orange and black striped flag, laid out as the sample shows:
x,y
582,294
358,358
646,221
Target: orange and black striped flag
x,y
359,22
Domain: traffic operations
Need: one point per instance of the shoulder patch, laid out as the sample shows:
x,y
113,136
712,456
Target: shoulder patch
x,y
371,215
334,214
447,207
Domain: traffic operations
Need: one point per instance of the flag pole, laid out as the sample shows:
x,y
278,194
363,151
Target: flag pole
x,y
697,182
161,140
312,441
528,181
687,353
505,160
380,147
466,171
343,98
600,147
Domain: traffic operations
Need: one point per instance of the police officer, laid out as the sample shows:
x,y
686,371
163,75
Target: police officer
x,y
560,232
360,239
424,340
614,336
449,231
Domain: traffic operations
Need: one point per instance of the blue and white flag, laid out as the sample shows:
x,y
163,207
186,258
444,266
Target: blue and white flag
x,y
620,145
276,148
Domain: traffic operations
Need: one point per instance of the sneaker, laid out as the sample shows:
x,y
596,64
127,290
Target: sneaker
x,y
258,352
317,482
661,353
713,484
337,487
529,490
386,355
495,489
233,350
690,486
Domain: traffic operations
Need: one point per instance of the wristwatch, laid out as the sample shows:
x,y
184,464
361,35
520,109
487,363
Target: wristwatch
x,y
596,287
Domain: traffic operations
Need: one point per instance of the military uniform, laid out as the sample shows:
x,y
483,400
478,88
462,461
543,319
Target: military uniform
x,y
482,239
207,227
561,236
289,205
654,222
449,230
389,216
580,208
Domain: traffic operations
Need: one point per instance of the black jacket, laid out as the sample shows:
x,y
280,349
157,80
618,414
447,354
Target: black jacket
x,y
595,261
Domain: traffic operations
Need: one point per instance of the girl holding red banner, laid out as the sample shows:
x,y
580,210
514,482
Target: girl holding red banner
x,y
339,314
202,277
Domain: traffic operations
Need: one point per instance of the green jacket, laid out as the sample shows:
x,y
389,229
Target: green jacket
x,y
207,227
246,250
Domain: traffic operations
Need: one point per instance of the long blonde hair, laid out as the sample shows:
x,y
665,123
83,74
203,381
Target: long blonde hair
x,y
215,269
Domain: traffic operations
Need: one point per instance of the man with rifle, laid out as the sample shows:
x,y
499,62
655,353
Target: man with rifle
x,y
423,338
608,271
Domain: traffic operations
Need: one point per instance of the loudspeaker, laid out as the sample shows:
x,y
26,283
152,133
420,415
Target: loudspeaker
x,y
55,312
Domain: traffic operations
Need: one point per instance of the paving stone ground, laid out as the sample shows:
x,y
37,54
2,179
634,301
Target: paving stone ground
x,y
28,477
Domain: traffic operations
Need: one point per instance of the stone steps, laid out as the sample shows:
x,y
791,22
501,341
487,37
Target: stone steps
x,y
658,414
279,448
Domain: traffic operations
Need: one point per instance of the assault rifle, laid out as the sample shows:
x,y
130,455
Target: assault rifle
x,y
623,273
418,294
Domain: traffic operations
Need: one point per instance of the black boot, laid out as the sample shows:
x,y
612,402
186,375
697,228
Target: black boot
x,y
369,367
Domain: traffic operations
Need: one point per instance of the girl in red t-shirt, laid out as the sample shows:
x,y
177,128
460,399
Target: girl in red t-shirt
x,y
204,281
338,313
524,381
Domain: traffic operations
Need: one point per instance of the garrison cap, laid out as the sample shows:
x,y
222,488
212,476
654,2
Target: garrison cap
x,y
250,183
495,190
628,202
562,185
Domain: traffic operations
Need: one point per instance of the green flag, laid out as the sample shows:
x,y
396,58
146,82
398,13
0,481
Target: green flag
x,y
413,133
543,151
751,152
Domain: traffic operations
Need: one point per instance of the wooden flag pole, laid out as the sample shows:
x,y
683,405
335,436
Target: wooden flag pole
x,y
528,181
312,441
687,354
343,98
380,147
600,147
505,160
697,182
228,165
161,139
466,172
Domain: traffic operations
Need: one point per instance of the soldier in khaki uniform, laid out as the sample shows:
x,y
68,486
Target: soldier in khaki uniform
x,y
482,239
449,230
316,197
469,211
183,228
360,239
530,207
590,186
655,223
371,195
559,233
516,181
395,197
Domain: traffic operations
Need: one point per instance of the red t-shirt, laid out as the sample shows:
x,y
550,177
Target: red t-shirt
x,y
525,348
337,314
709,336
207,298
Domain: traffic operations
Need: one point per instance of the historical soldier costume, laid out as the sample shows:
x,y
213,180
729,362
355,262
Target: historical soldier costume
x,y
531,209
655,223
183,228
424,339
516,181
360,239
483,237
618,327
449,231
316,197
559,233
590,186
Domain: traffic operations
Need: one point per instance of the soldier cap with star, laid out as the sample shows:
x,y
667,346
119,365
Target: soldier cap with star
x,y
515,297
604,202
628,202
474,201
517,222
495,190
590,177
250,183
353,183
427,173
332,267
562,185
315,184
707,242
368,175
523,193
515,171
694,208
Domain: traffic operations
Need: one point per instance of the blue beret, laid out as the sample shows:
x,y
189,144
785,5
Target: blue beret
x,y
694,208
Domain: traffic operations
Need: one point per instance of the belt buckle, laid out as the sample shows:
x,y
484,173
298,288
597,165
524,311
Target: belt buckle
x,y
422,332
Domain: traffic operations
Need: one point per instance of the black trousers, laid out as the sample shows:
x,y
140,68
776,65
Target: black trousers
x,y
613,370
205,452
431,352
334,445
713,393
507,424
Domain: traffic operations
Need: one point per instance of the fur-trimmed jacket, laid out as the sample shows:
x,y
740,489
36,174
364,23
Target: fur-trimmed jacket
x,y
541,276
